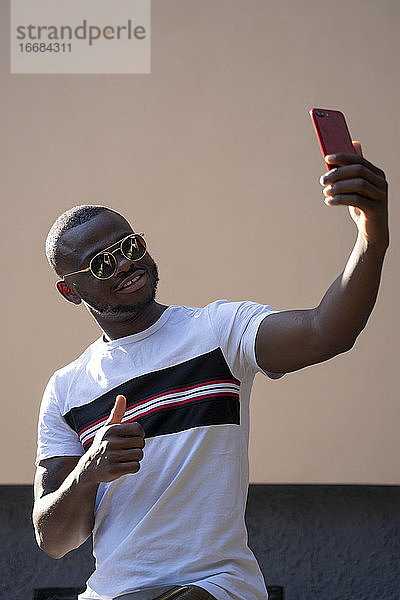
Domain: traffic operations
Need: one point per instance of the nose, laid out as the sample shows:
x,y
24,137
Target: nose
x,y
123,263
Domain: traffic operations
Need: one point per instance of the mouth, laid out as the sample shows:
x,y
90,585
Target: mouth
x,y
133,282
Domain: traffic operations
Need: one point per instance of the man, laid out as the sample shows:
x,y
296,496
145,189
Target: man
x,y
180,378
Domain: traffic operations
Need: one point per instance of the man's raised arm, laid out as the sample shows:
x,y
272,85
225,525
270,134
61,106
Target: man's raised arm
x,y
290,340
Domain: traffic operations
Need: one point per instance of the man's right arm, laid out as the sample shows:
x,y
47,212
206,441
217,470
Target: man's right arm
x,y
66,486
64,505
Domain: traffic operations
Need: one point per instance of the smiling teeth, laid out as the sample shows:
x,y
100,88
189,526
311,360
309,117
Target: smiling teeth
x,y
130,282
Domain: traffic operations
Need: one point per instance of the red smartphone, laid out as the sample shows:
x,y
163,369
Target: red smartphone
x,y
332,132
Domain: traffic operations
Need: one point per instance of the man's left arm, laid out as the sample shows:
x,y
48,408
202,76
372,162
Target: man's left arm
x,y
290,340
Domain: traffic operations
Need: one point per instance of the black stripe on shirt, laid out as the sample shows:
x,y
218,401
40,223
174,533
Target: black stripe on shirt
x,y
198,392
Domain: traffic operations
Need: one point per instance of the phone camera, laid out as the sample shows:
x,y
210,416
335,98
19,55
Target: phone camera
x,y
320,113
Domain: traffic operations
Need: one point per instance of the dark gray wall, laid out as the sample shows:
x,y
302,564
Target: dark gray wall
x,y
328,542
322,542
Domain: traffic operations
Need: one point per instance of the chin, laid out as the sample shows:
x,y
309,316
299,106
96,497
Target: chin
x,y
120,310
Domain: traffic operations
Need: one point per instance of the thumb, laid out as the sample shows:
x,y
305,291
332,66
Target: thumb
x,y
357,147
117,411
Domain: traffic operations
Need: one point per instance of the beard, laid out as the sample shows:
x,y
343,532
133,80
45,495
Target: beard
x,y
115,312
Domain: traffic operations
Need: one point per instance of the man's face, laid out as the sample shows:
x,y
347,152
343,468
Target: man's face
x,y
110,298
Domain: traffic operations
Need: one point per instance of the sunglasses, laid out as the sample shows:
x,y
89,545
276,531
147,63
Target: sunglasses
x,y
104,264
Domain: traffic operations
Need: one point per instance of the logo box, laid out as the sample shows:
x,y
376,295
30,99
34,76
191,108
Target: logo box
x,y
80,36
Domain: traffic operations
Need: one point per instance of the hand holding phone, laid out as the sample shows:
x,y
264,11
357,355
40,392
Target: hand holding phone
x,y
352,181
332,132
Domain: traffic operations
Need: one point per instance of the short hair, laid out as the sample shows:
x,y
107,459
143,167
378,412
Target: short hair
x,y
68,220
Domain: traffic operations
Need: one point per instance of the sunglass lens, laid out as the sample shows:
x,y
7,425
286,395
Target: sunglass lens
x,y
133,247
103,265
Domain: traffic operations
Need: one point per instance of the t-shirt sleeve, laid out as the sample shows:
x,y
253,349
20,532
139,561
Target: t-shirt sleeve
x,y
55,436
235,326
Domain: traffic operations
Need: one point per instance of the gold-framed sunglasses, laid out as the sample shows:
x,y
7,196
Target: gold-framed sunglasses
x,y
104,264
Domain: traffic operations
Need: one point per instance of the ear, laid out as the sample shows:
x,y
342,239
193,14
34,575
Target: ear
x,y
357,147
67,293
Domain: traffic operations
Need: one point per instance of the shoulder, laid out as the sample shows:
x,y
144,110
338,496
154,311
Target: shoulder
x,y
238,310
221,313
218,310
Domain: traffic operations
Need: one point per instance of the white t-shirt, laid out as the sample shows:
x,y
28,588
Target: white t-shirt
x,y
180,519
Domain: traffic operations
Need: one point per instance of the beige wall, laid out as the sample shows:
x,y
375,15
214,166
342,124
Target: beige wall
x,y
211,152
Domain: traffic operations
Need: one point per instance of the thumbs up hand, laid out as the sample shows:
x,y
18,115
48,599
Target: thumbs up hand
x,y
117,447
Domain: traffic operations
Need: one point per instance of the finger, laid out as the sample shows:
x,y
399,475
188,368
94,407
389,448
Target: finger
x,y
127,467
349,159
131,429
352,172
117,411
116,455
351,200
116,470
354,186
357,147
126,443
130,455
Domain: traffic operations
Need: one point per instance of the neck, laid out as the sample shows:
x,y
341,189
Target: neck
x,y
127,324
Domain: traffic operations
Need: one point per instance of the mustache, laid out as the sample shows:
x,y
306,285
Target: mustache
x,y
128,273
